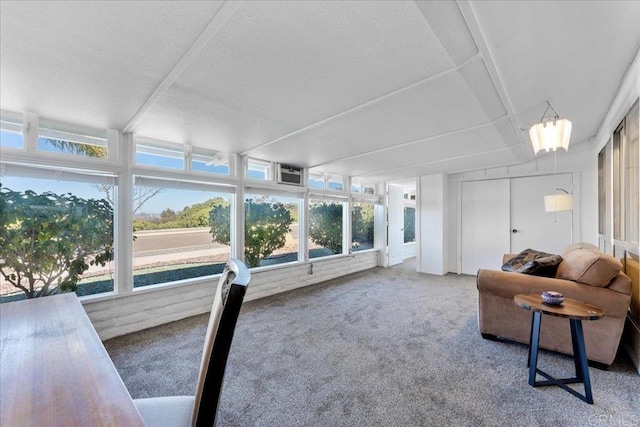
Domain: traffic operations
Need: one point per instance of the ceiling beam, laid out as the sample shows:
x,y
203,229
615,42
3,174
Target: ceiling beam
x,y
215,25
476,32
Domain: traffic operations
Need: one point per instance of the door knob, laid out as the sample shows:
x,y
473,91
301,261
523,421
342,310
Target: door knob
x,y
514,231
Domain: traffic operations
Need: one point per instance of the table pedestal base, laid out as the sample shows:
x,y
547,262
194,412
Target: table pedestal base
x,y
579,359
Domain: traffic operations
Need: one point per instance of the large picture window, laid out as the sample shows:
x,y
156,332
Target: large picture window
x,y
271,228
362,226
182,230
326,227
56,232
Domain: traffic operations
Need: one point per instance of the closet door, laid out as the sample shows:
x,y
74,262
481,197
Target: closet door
x,y
485,232
531,226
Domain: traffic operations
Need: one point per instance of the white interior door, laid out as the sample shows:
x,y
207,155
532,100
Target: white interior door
x,y
531,226
396,224
485,224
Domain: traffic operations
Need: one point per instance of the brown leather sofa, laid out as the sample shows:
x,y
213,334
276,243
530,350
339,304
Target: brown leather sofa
x,y
585,274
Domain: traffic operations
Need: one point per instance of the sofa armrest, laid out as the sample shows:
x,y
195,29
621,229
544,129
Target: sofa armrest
x,y
507,284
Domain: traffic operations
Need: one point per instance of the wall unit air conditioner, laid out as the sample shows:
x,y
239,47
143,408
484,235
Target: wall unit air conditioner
x,y
292,175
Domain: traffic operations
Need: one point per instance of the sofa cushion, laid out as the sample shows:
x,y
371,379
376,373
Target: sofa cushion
x,y
533,262
580,245
587,266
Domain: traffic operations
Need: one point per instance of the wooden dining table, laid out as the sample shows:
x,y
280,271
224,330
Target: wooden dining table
x,y
54,370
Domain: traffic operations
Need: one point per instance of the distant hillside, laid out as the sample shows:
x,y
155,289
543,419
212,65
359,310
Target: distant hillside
x,y
196,215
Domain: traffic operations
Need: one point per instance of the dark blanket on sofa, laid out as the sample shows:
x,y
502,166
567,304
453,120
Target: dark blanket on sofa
x,y
531,261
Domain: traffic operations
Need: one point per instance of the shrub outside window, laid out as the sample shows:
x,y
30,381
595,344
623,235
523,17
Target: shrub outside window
x,y
326,227
362,226
56,234
271,228
182,230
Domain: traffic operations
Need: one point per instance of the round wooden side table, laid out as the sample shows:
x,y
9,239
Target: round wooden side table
x,y
576,312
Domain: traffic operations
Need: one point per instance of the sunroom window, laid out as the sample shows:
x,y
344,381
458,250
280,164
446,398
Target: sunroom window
x,y
182,230
158,155
335,182
209,161
56,232
11,131
271,227
316,180
326,226
61,140
259,169
359,187
362,226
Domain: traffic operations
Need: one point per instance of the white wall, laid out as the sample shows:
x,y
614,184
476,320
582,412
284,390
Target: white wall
x,y
432,197
122,314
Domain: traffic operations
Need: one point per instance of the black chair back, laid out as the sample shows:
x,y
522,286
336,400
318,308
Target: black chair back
x,y
227,302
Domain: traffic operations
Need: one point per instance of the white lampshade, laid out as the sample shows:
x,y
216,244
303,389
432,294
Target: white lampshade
x,y
550,135
558,202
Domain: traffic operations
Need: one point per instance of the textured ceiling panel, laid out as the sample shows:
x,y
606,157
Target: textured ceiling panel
x,y
301,62
471,162
92,63
444,105
202,121
571,53
487,138
447,22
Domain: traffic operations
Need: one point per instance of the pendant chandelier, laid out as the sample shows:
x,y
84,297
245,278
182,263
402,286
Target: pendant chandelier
x,y
551,133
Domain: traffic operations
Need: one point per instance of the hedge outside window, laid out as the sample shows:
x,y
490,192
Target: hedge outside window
x,y
271,228
362,226
326,227
56,234
176,234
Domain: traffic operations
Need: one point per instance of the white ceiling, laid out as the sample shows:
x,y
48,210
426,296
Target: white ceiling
x,y
373,89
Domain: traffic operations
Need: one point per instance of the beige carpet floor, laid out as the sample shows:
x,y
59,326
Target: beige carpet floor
x,y
384,347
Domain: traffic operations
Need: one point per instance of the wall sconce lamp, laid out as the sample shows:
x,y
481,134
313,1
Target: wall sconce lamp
x,y
551,133
558,202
